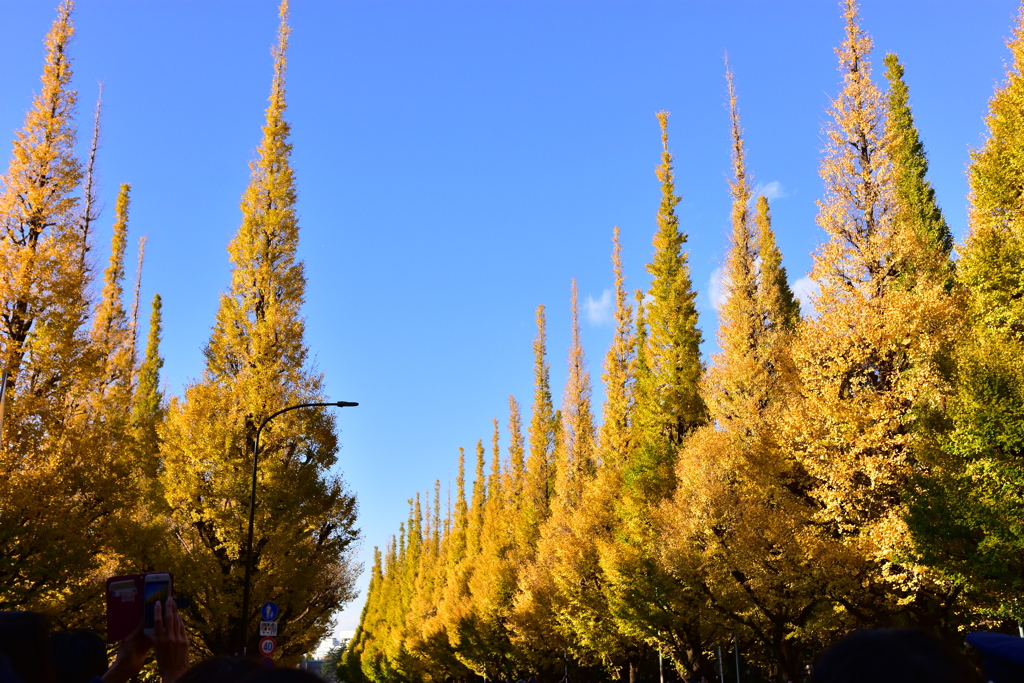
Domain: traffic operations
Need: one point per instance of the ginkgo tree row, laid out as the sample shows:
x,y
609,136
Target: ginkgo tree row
x,y
860,466
102,474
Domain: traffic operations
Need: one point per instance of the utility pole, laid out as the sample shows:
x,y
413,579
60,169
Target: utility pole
x,y
252,510
3,403
736,650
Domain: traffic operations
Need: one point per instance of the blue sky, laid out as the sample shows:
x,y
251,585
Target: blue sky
x,y
459,163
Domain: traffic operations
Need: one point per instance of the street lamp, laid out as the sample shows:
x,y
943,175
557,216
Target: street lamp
x,y
252,505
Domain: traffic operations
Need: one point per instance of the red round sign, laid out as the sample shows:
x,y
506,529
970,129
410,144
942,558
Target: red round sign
x,y
268,645
267,662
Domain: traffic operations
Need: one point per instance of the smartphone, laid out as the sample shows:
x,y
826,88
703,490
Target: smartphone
x,y
156,587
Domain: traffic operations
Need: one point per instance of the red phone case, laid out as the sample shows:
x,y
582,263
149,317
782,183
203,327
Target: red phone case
x,y
125,598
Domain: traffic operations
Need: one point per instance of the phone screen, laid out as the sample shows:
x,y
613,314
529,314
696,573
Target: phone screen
x,y
155,590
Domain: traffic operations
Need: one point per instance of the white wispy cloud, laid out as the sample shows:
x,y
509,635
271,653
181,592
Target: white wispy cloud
x,y
806,290
716,289
773,190
602,311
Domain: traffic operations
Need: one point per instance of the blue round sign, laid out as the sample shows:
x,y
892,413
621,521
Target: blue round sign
x,y
269,611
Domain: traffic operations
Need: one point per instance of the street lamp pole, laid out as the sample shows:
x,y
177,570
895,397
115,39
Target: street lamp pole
x,y
252,506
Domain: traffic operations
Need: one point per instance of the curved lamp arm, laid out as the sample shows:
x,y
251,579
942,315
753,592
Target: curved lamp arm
x,y
252,505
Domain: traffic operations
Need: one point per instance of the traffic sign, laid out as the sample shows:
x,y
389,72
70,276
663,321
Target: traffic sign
x,y
268,645
269,611
267,662
268,628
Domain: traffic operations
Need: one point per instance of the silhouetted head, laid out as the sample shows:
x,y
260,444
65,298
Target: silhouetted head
x,y
24,640
78,657
283,676
1002,655
220,670
897,655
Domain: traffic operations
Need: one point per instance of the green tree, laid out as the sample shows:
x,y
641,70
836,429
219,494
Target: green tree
x,y
968,521
148,401
256,363
669,404
642,597
917,211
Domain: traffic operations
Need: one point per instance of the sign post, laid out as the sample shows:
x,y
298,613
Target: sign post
x,y
268,630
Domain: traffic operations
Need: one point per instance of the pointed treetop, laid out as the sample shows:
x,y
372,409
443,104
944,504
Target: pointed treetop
x,y
38,191
110,324
90,212
738,316
277,99
516,448
136,300
918,212
539,466
857,210
259,324
495,458
618,367
740,183
857,44
990,259
147,402
668,401
541,369
732,383
668,240
577,420
780,308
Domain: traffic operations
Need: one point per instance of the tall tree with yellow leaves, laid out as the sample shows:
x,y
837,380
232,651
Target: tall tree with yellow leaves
x,y
359,662
869,363
462,621
55,466
427,639
737,527
111,328
578,444
540,471
538,602
256,364
531,621
492,585
583,612
111,394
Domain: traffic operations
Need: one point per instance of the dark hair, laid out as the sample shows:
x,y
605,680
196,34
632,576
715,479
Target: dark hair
x,y
881,655
283,676
24,640
220,670
78,657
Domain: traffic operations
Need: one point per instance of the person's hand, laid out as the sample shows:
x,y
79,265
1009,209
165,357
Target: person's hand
x,y
169,641
131,655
